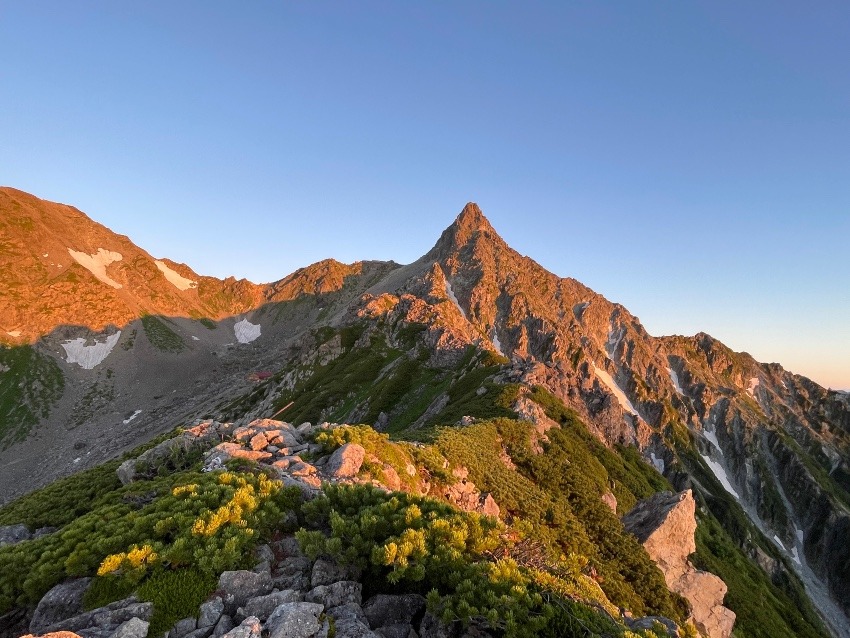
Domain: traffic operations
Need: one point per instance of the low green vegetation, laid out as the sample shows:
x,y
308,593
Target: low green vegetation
x,y
557,491
364,382
30,383
208,323
167,537
415,544
161,336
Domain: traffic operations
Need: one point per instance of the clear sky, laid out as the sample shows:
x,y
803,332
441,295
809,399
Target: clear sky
x,y
690,160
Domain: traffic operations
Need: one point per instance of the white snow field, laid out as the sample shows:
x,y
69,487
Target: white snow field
x,y
175,278
615,390
246,331
89,356
96,263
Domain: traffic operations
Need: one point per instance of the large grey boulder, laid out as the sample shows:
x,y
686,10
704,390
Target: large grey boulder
x,y
210,612
133,628
183,627
104,620
336,594
223,626
250,628
294,620
13,534
352,628
327,572
241,586
65,600
383,609
345,462
263,606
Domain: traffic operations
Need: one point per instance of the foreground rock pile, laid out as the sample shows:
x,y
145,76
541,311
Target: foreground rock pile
x,y
285,596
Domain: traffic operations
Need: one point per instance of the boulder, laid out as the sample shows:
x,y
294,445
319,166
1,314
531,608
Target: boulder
x,y
241,586
250,628
384,609
345,462
65,600
335,594
13,534
133,628
223,626
397,631
326,572
294,620
183,627
263,606
54,634
352,628
665,524
198,437
210,612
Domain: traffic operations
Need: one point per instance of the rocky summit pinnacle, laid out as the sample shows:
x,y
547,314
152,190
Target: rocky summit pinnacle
x,y
470,225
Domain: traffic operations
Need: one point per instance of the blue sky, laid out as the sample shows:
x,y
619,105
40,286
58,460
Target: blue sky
x,y
690,160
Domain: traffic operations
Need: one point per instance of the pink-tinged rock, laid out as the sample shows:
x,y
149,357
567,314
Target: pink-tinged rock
x,y
258,442
345,462
665,524
282,464
301,469
244,433
610,500
488,505
236,451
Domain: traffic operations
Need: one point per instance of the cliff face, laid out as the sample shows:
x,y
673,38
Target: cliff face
x,y
665,525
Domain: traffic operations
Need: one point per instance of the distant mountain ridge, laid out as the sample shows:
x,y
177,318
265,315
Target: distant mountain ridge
x,y
765,449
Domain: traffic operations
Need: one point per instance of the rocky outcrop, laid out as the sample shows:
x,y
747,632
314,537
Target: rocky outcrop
x,y
196,438
665,525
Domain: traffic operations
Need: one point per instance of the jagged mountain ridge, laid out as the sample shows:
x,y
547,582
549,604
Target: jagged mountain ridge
x,y
472,289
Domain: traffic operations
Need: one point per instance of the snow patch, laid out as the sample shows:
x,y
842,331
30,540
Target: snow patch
x,y
452,296
96,263
89,356
711,436
721,476
496,343
752,385
799,534
615,390
675,379
615,336
795,556
131,417
194,338
778,541
175,278
246,331
14,333
658,463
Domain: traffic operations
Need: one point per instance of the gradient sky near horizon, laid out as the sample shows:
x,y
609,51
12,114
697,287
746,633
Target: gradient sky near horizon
x,y
690,160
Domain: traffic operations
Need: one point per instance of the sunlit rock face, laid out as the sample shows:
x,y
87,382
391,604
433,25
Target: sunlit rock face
x,y
665,524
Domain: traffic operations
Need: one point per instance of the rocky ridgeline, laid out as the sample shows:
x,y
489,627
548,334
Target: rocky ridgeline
x,y
285,596
665,524
283,448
